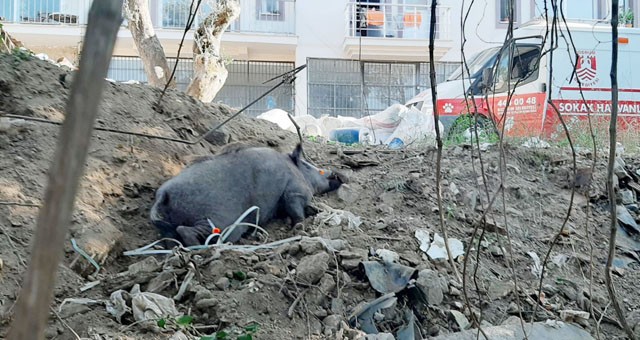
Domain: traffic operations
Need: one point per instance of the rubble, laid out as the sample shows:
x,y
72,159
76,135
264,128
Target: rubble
x,y
370,261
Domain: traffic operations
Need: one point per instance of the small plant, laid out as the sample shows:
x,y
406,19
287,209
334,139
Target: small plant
x,y
21,54
626,17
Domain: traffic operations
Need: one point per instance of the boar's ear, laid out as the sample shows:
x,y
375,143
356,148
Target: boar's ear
x,y
295,156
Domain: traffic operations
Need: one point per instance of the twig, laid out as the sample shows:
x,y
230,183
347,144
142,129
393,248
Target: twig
x,y
31,314
295,303
13,246
612,158
436,119
21,204
190,19
293,121
64,323
185,284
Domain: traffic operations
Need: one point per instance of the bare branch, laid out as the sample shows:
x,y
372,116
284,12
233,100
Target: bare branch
x,y
32,310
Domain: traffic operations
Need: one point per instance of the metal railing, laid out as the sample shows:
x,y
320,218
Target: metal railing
x,y
264,16
258,16
393,21
69,12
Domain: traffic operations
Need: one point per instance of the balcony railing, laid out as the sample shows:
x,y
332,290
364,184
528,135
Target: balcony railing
x,y
257,16
71,12
393,21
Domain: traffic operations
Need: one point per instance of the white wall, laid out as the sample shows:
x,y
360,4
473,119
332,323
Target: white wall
x,y
481,29
321,27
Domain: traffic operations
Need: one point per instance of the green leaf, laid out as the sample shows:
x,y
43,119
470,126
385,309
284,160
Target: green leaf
x,y
239,275
161,323
207,337
245,337
184,320
253,328
222,335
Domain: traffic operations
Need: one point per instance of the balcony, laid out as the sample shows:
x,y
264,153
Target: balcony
x,y
258,16
384,31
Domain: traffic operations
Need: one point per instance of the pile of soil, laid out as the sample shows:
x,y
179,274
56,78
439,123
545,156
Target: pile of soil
x,y
315,285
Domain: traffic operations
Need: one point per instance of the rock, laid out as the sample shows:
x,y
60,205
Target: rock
x,y
512,320
387,255
496,251
71,309
223,283
347,193
627,196
458,305
311,268
317,295
380,336
499,290
459,319
337,306
218,137
332,323
311,247
316,326
429,281
453,291
453,188
148,265
203,293
385,209
539,331
206,303
618,168
471,199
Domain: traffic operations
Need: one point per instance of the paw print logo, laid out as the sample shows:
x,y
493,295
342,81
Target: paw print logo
x,y
448,107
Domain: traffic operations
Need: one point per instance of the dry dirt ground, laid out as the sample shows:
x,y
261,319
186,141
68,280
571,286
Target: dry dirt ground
x,y
307,288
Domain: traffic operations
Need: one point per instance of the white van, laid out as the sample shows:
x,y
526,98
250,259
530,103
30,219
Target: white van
x,y
522,67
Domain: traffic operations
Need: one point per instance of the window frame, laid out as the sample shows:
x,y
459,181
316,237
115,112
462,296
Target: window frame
x,y
516,13
270,16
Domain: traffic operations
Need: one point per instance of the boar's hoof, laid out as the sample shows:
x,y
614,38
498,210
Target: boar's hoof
x,y
311,210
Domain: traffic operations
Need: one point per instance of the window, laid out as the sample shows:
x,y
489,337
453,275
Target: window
x,y
524,67
270,7
270,10
503,12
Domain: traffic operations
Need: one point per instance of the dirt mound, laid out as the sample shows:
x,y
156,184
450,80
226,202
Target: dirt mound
x,y
319,283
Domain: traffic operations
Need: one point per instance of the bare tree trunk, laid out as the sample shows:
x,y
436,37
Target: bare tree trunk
x,y
32,308
148,45
209,68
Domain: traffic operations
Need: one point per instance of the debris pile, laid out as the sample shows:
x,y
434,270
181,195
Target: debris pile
x,y
371,264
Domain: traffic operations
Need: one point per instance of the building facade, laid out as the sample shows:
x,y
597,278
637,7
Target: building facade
x,y
361,56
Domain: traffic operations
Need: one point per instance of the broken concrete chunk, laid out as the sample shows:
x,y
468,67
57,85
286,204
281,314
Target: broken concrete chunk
x,y
438,252
387,255
380,336
311,268
539,331
459,319
430,284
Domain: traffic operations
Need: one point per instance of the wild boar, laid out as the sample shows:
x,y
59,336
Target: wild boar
x,y
222,187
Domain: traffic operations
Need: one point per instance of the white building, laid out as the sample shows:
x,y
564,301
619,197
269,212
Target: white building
x,y
389,56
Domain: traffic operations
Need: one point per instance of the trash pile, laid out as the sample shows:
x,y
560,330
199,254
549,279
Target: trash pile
x,y
396,127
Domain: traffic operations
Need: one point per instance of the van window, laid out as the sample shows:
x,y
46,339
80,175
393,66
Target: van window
x,y
476,64
524,67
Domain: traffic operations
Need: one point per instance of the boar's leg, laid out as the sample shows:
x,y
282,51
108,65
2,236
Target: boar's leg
x,y
294,205
193,236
